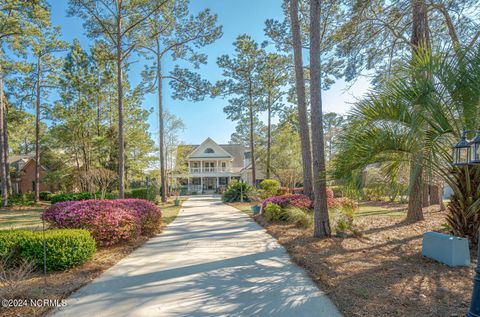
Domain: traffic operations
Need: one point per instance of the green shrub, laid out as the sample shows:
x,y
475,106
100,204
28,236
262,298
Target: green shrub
x,y
269,188
45,195
26,199
338,191
235,190
58,198
65,248
273,212
142,193
298,217
344,222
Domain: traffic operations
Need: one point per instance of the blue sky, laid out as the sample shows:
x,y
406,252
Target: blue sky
x,y
206,119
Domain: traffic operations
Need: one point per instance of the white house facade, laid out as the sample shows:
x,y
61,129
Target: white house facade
x,y
210,167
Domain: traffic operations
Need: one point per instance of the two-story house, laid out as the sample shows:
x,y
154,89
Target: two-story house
x,y
210,167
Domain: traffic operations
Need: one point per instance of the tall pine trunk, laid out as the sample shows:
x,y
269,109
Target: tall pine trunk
x,y
6,144
121,133
301,102
37,131
161,127
252,138
3,171
269,135
321,221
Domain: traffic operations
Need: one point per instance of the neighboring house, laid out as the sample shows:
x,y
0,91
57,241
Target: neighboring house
x,y
210,167
22,171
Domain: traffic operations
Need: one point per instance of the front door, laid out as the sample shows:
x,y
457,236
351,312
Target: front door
x,y
209,183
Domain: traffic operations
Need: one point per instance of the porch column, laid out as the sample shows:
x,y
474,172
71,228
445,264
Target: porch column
x,y
201,166
229,180
217,170
201,184
218,183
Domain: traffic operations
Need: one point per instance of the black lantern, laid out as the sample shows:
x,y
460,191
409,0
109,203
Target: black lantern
x,y
461,152
468,152
475,149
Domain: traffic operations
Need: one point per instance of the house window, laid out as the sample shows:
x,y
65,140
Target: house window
x,y
224,164
209,150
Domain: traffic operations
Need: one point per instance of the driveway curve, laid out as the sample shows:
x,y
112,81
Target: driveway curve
x,y
213,260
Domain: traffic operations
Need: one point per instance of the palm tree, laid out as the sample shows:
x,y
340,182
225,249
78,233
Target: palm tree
x,y
390,127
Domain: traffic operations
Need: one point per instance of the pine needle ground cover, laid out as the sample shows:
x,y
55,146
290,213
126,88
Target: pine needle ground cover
x,y
381,273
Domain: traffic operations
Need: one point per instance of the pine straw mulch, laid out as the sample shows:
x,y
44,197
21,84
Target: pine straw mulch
x,y
59,285
381,273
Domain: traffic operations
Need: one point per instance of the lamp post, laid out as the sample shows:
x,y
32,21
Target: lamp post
x,y
467,152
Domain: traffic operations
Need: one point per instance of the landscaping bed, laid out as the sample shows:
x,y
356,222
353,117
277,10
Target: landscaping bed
x,y
59,285
382,272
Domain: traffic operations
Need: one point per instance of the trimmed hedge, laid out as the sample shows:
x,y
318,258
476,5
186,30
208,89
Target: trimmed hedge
x,y
45,195
65,248
142,193
58,198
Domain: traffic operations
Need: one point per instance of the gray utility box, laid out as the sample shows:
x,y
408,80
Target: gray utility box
x,y
447,249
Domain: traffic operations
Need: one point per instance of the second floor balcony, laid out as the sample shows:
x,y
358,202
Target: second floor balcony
x,y
209,169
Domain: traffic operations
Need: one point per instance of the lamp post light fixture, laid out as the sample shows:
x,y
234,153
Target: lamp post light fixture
x,y
467,152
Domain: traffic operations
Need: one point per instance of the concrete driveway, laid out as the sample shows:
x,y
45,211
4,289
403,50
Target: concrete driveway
x,y
213,260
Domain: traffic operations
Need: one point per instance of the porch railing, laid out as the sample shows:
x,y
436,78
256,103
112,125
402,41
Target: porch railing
x,y
196,170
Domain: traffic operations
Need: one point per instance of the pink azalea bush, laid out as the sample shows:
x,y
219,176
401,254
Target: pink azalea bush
x,y
298,200
148,213
109,221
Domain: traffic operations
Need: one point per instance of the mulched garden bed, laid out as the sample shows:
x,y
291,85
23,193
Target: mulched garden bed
x,y
381,273
60,285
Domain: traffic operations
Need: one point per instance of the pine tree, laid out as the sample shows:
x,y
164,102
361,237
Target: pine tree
x,y
172,31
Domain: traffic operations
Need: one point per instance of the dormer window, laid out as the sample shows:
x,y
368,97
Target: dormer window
x,y
209,150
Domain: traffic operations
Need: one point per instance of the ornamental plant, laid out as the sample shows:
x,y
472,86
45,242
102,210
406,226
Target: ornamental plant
x,y
109,221
236,190
269,188
65,248
297,200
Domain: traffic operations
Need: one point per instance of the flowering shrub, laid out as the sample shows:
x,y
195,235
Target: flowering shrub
x,y
149,214
297,200
347,203
109,221
331,201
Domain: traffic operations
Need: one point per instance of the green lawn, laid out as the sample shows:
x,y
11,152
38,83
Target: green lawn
x,y
365,210
21,218
244,207
169,210
29,218
368,209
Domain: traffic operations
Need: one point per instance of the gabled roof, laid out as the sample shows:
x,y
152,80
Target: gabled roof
x,y
209,149
19,162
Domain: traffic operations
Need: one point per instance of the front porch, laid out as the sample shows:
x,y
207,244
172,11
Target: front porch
x,y
205,184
